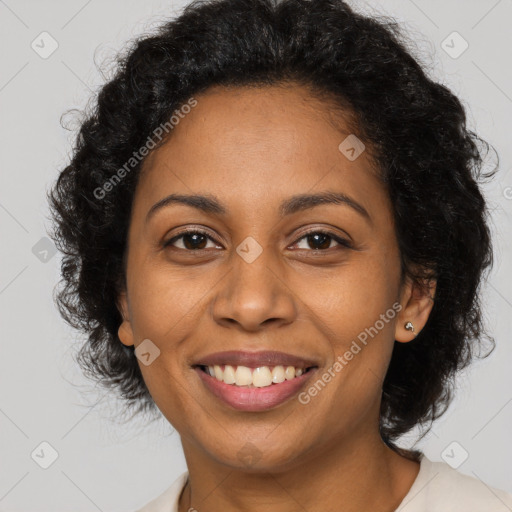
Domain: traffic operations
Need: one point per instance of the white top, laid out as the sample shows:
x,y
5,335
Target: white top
x,y
437,488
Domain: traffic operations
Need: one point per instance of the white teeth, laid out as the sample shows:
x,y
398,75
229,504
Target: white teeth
x,y
243,376
278,374
229,374
260,377
218,372
289,373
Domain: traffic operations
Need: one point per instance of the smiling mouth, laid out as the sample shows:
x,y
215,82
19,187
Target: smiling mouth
x,y
259,377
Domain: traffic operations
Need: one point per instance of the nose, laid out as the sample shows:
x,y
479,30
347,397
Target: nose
x,y
254,295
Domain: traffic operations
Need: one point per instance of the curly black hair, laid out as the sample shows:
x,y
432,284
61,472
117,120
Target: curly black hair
x,y
414,127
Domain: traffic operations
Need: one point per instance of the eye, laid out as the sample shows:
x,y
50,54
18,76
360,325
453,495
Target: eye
x,y
197,239
321,240
192,240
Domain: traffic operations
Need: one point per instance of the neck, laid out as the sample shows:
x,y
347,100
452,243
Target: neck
x,y
363,474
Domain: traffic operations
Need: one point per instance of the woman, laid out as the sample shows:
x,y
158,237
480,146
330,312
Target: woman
x,y
275,236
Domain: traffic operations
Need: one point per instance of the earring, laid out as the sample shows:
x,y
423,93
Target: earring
x,y
410,327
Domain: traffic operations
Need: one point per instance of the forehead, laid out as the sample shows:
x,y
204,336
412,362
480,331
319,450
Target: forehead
x,y
252,146
286,119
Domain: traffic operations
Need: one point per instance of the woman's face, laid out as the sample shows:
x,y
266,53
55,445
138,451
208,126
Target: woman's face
x,y
256,282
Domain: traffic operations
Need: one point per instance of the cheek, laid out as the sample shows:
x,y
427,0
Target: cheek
x,y
169,392
351,298
353,309
165,303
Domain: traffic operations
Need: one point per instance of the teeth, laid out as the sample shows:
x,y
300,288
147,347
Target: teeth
x,y
278,374
243,375
260,377
229,375
218,372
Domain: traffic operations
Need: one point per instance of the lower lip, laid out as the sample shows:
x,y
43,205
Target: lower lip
x,y
254,399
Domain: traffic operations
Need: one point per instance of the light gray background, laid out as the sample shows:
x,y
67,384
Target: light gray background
x,y
103,466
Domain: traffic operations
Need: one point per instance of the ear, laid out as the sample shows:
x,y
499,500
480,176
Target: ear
x,y
417,302
125,331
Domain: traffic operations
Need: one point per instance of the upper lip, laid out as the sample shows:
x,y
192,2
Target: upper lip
x,y
254,359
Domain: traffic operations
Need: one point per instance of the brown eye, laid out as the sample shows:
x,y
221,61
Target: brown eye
x,y
322,240
192,240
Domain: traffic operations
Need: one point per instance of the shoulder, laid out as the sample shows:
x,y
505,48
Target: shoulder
x,y
441,488
168,500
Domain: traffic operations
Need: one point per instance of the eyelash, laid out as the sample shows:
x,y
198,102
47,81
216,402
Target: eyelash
x,y
341,241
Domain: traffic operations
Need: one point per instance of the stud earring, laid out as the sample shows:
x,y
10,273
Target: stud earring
x,y
410,327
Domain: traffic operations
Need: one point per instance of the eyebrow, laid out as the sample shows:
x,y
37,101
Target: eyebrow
x,y
211,205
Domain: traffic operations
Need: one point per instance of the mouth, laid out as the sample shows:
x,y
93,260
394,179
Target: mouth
x,y
253,389
259,377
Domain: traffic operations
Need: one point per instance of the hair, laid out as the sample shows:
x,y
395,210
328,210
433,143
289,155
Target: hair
x,y
414,127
